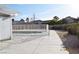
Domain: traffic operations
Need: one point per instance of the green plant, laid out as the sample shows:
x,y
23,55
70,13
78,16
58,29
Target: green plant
x,y
73,28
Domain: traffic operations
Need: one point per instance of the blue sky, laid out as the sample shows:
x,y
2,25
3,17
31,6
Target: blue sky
x,y
44,11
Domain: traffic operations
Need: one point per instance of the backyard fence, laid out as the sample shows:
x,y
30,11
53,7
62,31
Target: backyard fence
x,y
30,28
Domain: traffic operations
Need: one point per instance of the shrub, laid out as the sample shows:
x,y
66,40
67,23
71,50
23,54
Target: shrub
x,y
73,29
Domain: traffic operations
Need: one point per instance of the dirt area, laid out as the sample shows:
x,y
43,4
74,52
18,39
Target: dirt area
x,y
71,42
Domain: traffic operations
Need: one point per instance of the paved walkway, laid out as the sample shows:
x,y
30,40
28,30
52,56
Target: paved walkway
x,y
49,44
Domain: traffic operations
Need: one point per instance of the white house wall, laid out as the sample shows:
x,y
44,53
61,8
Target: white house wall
x,y
5,29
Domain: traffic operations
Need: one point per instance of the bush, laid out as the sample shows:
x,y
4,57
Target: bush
x,y
73,29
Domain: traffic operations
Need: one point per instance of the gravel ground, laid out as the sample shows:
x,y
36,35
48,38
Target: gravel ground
x,y
71,42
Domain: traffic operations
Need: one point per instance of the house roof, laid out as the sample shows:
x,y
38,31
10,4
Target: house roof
x,y
7,13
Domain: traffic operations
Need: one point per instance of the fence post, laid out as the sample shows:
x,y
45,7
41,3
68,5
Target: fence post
x,y
47,28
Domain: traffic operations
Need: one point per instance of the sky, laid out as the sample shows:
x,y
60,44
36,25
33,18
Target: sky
x,y
44,11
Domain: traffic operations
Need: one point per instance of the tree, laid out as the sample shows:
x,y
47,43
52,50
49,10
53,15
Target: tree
x,y
60,22
56,18
22,20
27,19
13,20
54,21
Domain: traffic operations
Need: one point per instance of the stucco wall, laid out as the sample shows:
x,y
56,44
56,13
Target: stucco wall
x,y
5,28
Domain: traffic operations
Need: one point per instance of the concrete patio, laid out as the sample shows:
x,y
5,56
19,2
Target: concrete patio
x,y
41,44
